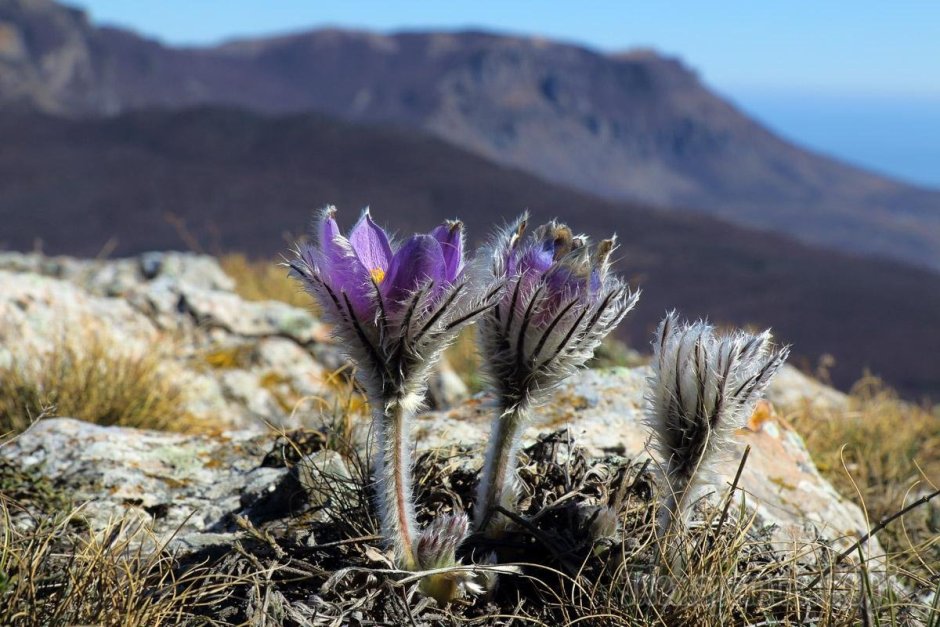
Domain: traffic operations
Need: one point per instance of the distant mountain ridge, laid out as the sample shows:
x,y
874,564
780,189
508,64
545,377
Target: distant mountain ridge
x,y
629,126
235,180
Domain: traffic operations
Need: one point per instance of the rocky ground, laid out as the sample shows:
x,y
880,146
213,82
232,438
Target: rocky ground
x,y
278,444
240,364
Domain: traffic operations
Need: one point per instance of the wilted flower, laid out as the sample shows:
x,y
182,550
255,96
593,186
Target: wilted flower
x,y
395,309
558,301
703,387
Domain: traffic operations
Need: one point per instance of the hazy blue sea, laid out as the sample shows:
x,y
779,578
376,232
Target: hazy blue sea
x,y
892,135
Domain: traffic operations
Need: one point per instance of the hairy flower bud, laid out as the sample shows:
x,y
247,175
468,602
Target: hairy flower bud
x,y
559,299
703,386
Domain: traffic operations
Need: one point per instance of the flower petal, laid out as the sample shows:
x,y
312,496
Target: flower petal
x,y
450,236
536,260
418,261
370,243
341,269
331,243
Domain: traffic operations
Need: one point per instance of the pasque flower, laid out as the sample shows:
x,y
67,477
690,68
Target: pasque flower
x,y
558,300
395,309
703,386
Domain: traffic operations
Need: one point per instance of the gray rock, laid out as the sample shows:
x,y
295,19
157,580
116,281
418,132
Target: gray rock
x,y
215,308
113,277
791,390
446,389
36,311
167,481
200,271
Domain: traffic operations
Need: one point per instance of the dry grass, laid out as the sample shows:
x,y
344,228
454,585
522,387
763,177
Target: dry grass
x,y
54,571
318,560
91,377
263,280
883,453
332,570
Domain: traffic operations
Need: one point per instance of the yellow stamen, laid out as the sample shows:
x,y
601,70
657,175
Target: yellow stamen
x,y
378,274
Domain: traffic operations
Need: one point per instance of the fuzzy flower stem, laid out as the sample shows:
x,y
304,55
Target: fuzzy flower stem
x,y
393,468
497,485
395,307
681,485
674,507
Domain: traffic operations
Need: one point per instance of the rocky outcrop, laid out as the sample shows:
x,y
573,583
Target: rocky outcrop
x,y
191,487
174,484
239,363
251,368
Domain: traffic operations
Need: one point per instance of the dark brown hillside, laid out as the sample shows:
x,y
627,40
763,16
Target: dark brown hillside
x,y
242,181
638,126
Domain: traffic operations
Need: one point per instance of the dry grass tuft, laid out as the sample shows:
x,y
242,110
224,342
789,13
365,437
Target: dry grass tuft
x,y
54,571
263,280
92,378
885,453
226,357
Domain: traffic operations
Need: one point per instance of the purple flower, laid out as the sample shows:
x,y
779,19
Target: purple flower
x,y
560,300
364,269
394,308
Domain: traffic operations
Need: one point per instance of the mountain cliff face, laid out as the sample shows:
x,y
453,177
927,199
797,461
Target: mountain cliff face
x,y
634,126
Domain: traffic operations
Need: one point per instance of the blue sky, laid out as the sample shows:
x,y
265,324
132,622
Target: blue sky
x,y
859,80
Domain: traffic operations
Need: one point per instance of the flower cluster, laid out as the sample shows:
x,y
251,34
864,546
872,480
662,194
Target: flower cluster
x,y
544,301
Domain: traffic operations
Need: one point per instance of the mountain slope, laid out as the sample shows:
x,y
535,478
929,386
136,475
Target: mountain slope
x,y
633,126
239,181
